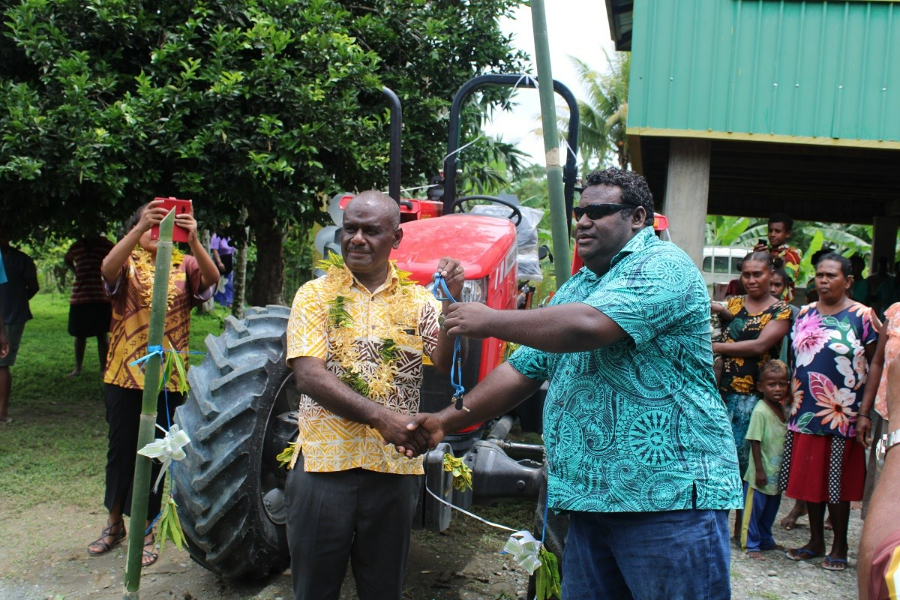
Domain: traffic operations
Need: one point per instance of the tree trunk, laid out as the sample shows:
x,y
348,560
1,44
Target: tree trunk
x,y
240,276
267,286
208,306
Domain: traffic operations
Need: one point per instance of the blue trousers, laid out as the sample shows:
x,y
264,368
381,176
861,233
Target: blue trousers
x,y
760,511
672,555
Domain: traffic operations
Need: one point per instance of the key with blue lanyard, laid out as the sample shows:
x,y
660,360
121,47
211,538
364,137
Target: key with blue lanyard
x,y
442,294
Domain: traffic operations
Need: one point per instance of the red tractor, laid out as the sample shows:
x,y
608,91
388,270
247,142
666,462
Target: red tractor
x,y
240,413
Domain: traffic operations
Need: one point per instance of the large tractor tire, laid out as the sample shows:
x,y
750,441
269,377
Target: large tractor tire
x,y
229,488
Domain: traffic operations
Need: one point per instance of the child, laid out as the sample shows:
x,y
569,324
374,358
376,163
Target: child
x,y
766,438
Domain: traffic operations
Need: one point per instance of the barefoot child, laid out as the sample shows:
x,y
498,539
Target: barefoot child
x,y
766,438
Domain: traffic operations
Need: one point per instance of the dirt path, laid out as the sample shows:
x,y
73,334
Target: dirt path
x,y
42,556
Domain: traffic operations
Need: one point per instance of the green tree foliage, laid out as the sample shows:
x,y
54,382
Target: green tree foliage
x,y
263,108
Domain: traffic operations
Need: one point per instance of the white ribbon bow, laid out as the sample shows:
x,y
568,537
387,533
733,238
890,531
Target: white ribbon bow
x,y
166,450
524,548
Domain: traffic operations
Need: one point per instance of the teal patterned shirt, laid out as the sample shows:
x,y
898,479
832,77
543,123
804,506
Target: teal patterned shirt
x,y
638,426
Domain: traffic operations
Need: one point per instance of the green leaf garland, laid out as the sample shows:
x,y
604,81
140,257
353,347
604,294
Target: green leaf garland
x,y
547,580
170,526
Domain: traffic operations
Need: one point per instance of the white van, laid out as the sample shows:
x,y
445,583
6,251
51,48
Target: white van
x,y
721,264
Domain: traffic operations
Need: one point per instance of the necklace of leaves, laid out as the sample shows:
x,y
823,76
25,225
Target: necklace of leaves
x,y
145,269
379,383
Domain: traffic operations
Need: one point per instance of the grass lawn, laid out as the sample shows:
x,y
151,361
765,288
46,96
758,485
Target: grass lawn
x,y
55,448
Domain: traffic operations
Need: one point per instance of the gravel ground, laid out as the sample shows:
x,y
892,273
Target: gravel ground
x,y
777,578
42,556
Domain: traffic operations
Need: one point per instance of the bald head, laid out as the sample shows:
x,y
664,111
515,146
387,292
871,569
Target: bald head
x,y
371,229
378,203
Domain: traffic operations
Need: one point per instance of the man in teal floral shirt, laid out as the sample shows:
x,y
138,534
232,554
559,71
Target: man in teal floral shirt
x,y
637,439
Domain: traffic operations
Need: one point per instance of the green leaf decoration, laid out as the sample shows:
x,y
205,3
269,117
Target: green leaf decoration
x,y
167,371
462,475
170,526
333,260
356,383
338,315
178,361
547,579
287,455
174,362
388,350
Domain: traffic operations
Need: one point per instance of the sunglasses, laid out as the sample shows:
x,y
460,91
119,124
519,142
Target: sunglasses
x,y
598,211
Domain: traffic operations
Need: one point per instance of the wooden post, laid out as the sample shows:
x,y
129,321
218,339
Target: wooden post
x,y
687,194
146,434
884,243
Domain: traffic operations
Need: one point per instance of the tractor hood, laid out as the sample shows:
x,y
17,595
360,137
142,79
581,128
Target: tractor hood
x,y
483,245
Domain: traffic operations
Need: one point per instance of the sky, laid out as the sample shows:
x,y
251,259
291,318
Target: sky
x,y
575,28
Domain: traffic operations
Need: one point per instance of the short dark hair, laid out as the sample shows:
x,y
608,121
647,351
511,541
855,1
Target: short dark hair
x,y
135,217
788,280
761,256
782,218
846,269
817,256
634,188
774,366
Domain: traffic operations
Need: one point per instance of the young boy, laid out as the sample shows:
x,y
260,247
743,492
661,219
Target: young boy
x,y
779,232
766,438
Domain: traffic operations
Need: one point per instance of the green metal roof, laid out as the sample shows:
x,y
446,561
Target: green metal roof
x,y
813,71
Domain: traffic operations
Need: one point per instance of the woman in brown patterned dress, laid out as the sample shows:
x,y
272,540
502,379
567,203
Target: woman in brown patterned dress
x,y
128,272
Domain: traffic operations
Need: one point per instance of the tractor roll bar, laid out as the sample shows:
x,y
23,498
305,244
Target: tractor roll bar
x,y
570,170
396,130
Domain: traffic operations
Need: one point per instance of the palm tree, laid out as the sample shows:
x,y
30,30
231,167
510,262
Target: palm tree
x,y
604,114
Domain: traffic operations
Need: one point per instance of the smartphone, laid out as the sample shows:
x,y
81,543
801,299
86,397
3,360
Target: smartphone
x,y
181,207
763,241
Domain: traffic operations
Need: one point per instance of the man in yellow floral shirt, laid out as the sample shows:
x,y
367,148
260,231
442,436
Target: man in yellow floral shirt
x,y
355,342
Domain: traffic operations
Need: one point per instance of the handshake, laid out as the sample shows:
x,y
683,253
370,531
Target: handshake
x,y
412,435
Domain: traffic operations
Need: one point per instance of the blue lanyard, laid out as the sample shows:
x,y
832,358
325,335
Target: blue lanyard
x,y
442,293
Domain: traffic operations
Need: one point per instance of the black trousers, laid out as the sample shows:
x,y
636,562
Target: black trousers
x,y
123,414
356,516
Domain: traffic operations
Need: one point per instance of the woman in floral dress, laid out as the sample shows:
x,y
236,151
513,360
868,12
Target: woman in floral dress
x,y
757,325
833,341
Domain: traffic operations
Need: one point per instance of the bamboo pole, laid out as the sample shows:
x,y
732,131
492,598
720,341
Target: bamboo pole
x,y
559,220
146,434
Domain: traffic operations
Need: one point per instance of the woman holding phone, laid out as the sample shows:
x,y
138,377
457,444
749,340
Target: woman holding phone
x,y
128,272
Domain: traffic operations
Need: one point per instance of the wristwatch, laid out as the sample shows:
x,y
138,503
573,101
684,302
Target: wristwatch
x,y
887,441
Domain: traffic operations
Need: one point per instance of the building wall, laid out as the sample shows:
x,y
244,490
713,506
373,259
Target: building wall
x,y
806,71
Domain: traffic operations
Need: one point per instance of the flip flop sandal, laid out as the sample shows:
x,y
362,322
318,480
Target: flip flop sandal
x,y
105,533
150,554
834,564
800,554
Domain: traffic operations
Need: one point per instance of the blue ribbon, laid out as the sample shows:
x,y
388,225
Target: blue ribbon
x,y
158,351
440,287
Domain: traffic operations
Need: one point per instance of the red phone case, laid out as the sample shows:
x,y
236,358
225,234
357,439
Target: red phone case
x,y
179,234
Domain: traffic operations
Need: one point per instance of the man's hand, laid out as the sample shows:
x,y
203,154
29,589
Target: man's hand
x,y
469,319
402,431
454,275
761,479
4,342
431,425
761,248
864,431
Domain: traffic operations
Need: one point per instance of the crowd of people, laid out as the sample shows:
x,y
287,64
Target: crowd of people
x,y
804,418
654,430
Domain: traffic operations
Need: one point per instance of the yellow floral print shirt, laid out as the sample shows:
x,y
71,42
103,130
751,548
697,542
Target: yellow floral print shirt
x,y
374,342
739,374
